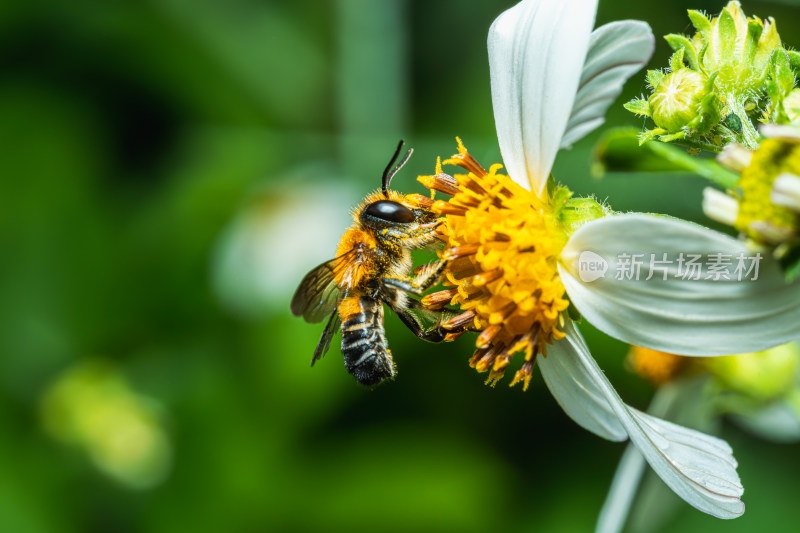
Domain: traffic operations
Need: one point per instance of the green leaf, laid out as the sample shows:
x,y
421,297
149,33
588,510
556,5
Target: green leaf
x,y
676,61
700,22
638,106
654,78
678,42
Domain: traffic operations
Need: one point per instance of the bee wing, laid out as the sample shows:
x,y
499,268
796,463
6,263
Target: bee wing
x,y
330,330
317,295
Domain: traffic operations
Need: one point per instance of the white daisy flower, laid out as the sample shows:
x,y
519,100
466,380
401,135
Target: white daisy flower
x,y
514,247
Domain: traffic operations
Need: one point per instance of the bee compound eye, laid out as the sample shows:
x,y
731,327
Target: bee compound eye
x,y
390,211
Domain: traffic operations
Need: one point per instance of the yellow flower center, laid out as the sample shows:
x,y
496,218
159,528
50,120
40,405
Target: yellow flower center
x,y
772,158
654,366
502,247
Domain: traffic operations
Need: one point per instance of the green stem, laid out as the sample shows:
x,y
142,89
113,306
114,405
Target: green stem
x,y
750,137
705,168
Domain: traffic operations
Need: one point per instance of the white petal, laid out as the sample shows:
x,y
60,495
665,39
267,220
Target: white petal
x,y
669,401
697,467
616,51
720,206
682,316
786,191
536,53
575,391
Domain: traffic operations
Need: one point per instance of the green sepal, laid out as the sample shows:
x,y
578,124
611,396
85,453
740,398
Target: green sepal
x,y
576,212
779,84
678,42
726,36
560,195
781,70
676,61
766,45
638,106
654,78
794,60
673,137
701,23
649,135
552,185
702,54
754,30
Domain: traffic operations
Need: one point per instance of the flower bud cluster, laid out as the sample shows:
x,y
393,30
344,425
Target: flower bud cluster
x,y
731,73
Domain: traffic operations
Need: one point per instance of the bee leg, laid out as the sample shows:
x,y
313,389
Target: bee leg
x,y
434,334
426,276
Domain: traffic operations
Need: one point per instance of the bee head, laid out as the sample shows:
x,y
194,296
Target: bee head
x,y
389,208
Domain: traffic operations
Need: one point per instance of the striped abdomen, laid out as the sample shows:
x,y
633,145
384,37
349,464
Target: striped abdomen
x,y
366,355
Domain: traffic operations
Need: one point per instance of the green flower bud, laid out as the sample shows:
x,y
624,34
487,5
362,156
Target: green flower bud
x,y
737,48
676,102
732,66
762,376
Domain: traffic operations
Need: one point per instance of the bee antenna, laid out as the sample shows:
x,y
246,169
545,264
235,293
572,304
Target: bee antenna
x,y
389,173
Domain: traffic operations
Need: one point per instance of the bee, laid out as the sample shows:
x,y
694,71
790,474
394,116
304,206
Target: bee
x,y
373,267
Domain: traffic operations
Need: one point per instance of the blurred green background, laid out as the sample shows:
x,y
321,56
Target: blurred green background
x,y
170,169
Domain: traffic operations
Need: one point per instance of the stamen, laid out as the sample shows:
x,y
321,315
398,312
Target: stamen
x,y
439,299
461,251
487,336
498,237
474,186
477,356
499,316
523,375
488,277
460,321
502,250
461,264
454,275
417,200
466,161
486,362
441,182
446,208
